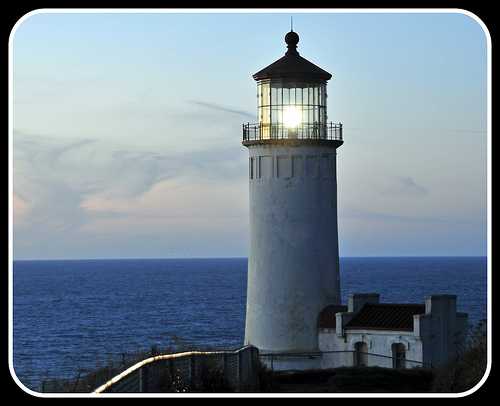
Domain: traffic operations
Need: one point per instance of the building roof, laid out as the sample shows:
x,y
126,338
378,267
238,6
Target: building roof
x,y
292,65
385,316
327,316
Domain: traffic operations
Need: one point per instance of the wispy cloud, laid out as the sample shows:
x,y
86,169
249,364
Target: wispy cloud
x,y
87,165
371,215
54,176
69,187
405,187
354,213
222,108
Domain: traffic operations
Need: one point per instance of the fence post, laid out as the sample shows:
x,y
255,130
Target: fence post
x,y
238,367
143,379
171,370
192,365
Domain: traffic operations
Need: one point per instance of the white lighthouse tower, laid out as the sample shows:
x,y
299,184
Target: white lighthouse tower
x,y
293,264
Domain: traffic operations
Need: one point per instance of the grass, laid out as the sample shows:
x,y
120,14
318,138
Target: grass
x,y
358,380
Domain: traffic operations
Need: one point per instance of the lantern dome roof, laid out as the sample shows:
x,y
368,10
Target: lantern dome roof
x,y
292,65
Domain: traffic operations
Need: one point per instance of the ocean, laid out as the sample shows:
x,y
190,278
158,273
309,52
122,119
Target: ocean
x,y
70,315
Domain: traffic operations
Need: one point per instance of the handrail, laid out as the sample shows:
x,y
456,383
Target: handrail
x,y
140,364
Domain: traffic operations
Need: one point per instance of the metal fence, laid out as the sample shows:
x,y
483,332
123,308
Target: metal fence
x,y
178,372
291,361
181,372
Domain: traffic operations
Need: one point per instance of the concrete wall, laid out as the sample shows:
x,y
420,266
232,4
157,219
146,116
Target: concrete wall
x,y
377,343
441,329
293,265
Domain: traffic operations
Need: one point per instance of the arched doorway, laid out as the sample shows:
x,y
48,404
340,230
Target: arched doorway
x,y
398,355
361,354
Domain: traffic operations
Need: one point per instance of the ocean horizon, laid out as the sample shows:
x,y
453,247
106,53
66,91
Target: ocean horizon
x,y
240,257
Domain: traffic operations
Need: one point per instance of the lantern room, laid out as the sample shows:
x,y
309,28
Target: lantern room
x,y
291,100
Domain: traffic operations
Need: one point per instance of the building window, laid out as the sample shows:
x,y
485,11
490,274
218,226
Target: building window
x,y
398,355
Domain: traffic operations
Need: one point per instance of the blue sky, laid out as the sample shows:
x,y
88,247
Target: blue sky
x,y
126,130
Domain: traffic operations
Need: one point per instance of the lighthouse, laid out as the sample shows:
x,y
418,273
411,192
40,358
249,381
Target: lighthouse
x,y
293,264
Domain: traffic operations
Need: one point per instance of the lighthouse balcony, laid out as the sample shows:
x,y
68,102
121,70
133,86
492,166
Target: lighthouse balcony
x,y
310,131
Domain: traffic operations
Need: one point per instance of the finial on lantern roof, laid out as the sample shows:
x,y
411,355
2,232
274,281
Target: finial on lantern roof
x,y
292,39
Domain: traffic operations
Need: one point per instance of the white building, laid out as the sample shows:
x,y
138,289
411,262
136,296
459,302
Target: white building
x,y
427,333
293,298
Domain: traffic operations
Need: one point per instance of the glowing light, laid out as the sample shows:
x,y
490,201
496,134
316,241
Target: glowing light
x,y
292,116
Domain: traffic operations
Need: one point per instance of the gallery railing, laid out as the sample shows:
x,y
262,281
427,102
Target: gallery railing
x,y
313,131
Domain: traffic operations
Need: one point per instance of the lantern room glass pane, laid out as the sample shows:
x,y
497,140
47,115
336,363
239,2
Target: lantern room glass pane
x,y
264,102
286,96
265,92
274,95
298,96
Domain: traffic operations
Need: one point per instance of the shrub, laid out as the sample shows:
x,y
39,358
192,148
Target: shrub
x,y
467,367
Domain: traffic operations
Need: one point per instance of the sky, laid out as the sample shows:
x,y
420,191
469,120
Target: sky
x,y
126,130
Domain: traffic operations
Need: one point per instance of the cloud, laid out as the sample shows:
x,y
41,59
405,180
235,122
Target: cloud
x,y
20,208
88,165
73,192
53,176
354,213
360,214
217,107
405,187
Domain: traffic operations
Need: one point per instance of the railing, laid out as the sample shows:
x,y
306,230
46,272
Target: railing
x,y
175,372
290,361
313,131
